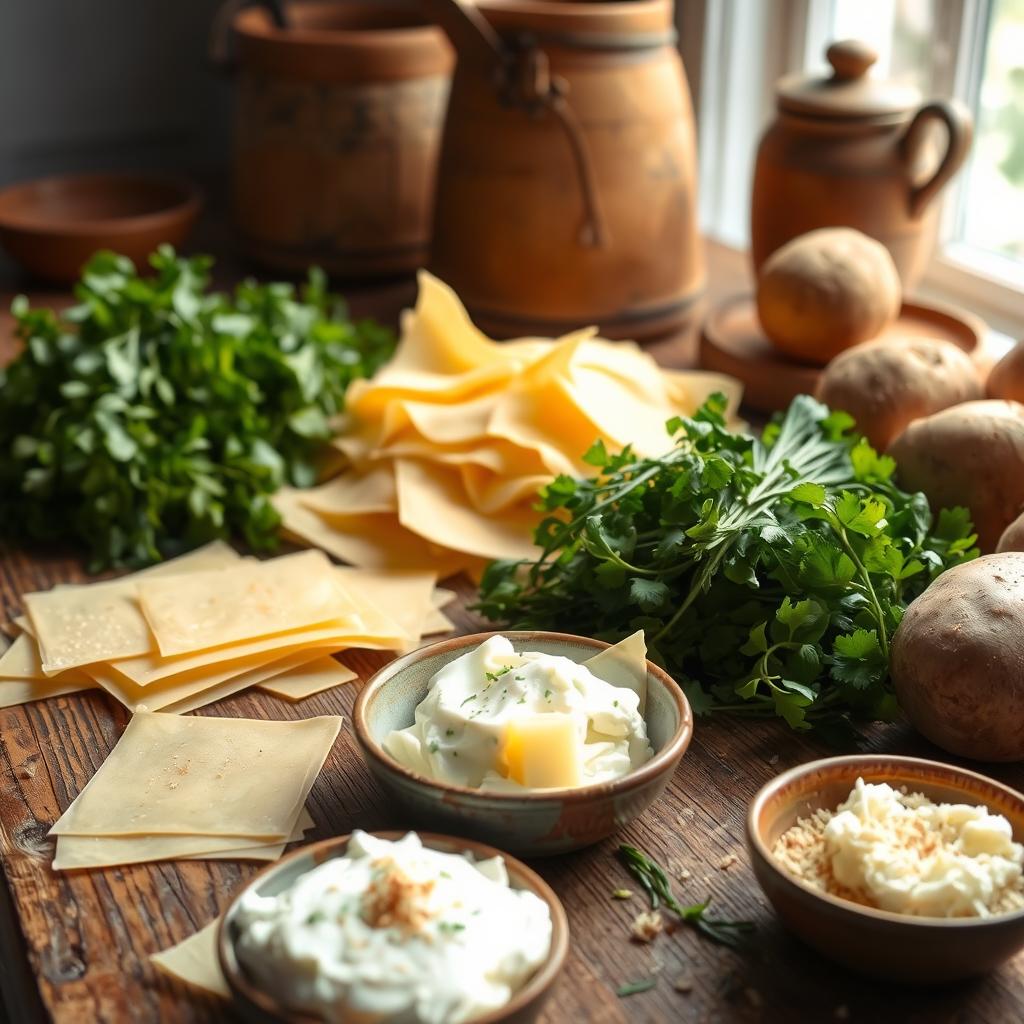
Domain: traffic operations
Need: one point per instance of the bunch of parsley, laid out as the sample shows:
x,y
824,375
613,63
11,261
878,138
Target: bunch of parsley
x,y
156,414
768,573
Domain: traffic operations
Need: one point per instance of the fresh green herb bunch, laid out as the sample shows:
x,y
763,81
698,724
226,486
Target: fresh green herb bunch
x,y
768,574
157,414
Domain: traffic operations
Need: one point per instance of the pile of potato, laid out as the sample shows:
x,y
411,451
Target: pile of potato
x,y
958,655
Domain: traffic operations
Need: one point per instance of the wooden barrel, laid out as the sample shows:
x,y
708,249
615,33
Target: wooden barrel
x,y
337,131
567,192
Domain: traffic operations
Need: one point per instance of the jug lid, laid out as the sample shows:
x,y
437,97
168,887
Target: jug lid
x,y
848,92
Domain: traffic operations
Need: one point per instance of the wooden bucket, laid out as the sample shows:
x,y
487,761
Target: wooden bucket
x,y
337,130
567,191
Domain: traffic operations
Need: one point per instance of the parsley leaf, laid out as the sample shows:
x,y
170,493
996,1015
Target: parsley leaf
x,y
768,573
157,415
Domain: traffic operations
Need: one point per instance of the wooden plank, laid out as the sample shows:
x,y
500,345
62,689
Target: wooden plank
x,y
74,947
88,934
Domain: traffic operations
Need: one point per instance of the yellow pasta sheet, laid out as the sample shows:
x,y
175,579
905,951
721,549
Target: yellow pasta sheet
x,y
201,686
206,610
173,774
309,679
448,445
195,962
624,664
77,852
82,624
376,541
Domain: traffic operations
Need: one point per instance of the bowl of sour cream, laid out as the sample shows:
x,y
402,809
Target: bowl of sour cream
x,y
540,743
378,927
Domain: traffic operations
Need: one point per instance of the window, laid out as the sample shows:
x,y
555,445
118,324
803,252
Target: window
x,y
969,49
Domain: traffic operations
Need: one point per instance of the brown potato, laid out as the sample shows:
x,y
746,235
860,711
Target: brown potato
x,y
1013,536
971,454
1007,377
825,291
884,385
958,657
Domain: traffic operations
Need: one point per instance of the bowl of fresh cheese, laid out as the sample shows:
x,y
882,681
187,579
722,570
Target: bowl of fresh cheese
x,y
897,867
540,743
387,926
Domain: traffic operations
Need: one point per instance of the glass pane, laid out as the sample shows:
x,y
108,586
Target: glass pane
x,y
901,31
992,213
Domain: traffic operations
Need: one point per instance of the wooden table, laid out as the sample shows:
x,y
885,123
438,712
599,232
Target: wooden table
x,y
74,947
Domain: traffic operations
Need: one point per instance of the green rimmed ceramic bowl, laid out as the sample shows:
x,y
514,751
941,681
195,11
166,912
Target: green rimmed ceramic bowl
x,y
876,942
534,824
258,1006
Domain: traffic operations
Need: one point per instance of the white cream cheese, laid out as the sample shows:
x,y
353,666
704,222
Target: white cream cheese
x,y
912,856
393,931
496,719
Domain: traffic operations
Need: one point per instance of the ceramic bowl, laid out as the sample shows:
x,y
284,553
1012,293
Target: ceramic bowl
x,y
538,823
260,1007
876,942
52,226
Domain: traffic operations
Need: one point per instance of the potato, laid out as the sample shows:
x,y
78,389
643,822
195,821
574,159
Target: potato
x,y
958,659
825,291
1013,536
971,454
1007,377
884,385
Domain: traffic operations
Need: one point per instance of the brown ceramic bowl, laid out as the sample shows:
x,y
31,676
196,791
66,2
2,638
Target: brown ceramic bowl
x,y
536,823
52,226
258,1006
876,942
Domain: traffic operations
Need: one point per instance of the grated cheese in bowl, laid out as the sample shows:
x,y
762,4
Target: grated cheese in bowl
x,y
898,851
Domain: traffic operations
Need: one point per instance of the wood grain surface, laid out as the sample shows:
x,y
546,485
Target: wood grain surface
x,y
88,934
74,946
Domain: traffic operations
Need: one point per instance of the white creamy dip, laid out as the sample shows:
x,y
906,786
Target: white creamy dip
x,y
395,932
496,719
913,856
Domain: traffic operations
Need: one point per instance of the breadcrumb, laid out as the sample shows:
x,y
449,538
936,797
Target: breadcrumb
x,y
647,926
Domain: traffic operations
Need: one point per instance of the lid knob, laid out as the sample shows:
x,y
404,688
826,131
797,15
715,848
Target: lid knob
x,y
850,59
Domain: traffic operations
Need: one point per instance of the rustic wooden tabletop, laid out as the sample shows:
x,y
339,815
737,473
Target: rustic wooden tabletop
x,y
74,946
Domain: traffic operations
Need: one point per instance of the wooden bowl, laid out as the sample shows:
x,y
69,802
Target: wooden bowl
x,y
533,823
52,226
255,1004
877,942
732,342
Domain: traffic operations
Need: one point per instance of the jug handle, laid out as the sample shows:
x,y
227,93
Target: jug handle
x,y
522,77
469,31
960,130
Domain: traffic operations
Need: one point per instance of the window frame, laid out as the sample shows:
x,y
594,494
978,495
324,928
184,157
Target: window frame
x,y
734,52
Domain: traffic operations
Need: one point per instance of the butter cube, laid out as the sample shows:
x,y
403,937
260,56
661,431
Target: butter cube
x,y
544,751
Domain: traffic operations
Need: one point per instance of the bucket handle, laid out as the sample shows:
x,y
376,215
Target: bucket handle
x,y
522,77
220,48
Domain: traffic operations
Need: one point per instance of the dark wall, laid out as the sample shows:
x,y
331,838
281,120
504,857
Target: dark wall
x,y
96,84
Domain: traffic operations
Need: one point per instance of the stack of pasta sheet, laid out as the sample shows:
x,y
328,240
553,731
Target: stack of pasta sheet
x,y
179,787
443,452
190,631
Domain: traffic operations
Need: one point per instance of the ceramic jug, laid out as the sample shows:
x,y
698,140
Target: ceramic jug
x,y
566,189
849,150
337,131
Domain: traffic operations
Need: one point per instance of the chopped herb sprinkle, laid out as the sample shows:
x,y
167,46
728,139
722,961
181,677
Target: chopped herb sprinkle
x,y
434,746
631,988
472,696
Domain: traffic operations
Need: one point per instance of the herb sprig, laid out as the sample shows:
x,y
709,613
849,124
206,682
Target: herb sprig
x,y
157,415
768,573
656,884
